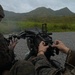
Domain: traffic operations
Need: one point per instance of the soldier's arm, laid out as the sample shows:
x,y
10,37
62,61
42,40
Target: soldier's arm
x,y
63,48
43,67
11,47
70,57
13,43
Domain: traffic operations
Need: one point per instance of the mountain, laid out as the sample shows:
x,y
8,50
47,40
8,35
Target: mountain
x,y
40,12
64,12
12,15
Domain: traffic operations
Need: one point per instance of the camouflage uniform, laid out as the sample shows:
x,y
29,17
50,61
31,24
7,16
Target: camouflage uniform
x,y
43,67
22,68
6,55
8,63
8,66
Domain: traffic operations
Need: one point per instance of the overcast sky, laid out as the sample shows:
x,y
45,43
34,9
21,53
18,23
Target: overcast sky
x,y
22,6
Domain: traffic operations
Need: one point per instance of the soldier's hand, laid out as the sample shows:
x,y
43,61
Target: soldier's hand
x,y
42,48
13,43
61,46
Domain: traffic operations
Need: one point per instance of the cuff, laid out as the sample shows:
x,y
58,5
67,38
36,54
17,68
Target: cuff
x,y
70,57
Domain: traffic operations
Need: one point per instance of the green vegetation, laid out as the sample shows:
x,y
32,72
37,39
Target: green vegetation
x,y
62,20
54,24
53,27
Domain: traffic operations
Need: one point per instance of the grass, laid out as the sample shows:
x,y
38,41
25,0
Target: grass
x,y
24,25
53,27
63,25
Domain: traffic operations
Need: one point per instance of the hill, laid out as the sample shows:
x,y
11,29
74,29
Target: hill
x,y
40,12
64,12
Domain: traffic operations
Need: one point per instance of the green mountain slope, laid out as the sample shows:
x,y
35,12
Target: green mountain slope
x,y
40,12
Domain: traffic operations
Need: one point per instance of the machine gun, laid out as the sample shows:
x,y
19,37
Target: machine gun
x,y
34,37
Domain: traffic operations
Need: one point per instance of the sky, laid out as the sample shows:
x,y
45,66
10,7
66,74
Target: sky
x,y
23,6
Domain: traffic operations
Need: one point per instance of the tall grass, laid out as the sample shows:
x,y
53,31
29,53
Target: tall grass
x,y
60,24
54,27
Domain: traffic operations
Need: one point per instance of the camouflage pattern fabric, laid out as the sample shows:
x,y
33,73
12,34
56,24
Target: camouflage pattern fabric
x,y
3,51
22,68
44,67
5,55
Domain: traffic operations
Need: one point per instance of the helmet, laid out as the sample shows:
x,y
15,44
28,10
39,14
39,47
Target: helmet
x,y
1,12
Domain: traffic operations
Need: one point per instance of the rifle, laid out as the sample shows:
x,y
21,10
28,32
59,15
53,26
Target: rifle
x,y
34,37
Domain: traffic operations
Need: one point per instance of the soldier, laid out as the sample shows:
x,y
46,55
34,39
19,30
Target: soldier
x,y
8,65
44,67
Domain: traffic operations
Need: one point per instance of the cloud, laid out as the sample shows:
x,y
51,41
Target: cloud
x,y
21,6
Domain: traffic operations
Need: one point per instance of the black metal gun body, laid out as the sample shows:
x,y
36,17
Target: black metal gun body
x,y
34,37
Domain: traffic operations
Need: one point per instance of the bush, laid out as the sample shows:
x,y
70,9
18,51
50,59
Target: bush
x,y
65,26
